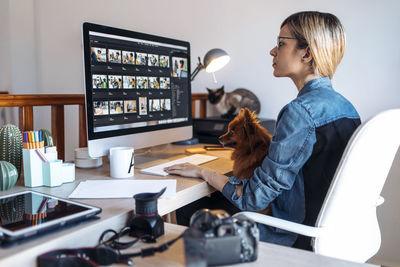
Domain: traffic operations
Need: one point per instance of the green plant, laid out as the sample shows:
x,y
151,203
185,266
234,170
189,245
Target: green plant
x,y
11,145
8,175
47,137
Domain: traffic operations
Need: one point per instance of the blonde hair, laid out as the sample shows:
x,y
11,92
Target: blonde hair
x,y
323,34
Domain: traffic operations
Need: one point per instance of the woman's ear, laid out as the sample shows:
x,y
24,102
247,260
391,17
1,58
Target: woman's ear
x,y
307,57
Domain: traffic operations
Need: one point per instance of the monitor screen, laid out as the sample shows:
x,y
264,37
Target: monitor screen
x,y
137,88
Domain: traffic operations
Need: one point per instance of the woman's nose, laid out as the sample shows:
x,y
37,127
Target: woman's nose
x,y
273,51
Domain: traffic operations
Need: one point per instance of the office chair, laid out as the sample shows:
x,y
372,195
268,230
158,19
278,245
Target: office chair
x,y
347,225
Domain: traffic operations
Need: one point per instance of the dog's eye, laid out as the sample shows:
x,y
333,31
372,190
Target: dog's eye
x,y
230,133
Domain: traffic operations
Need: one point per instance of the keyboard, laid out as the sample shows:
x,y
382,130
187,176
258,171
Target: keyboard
x,y
195,159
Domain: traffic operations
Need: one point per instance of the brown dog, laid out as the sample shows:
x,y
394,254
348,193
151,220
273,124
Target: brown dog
x,y
251,142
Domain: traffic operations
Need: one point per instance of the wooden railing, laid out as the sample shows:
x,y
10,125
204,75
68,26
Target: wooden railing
x,y
25,104
200,98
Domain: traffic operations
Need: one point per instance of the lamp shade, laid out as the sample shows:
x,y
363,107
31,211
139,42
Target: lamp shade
x,y
215,59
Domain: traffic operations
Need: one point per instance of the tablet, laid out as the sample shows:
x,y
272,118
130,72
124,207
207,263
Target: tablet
x,y
29,213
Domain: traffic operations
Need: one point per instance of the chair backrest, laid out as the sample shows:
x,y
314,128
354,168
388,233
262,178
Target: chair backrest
x,y
349,210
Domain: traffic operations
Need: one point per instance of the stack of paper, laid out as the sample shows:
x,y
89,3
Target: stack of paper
x,y
122,188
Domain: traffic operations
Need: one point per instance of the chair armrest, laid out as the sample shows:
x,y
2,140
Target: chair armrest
x,y
379,201
283,224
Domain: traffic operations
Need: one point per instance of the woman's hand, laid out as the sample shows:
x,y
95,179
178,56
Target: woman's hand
x,y
189,170
185,169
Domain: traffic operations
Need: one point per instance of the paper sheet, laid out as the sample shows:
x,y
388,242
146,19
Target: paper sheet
x,y
122,188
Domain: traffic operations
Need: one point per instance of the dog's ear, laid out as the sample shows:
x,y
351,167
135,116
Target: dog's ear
x,y
248,125
209,90
249,128
247,114
250,115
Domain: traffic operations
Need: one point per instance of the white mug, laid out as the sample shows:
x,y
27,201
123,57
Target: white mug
x,y
121,162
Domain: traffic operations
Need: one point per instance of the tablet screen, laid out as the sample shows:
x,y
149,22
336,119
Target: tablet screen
x,y
21,211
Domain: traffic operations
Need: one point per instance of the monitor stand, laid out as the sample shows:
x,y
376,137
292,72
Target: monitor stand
x,y
188,142
147,157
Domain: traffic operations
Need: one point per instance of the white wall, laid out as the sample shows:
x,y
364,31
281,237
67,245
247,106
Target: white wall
x,y
5,71
367,76
22,44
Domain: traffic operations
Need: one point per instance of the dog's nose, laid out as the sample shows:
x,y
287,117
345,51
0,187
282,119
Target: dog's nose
x,y
220,140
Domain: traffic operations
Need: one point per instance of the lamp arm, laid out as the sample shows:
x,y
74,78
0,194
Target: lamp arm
x,y
198,68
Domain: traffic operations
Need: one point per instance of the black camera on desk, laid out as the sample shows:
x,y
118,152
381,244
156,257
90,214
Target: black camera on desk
x,y
147,223
215,238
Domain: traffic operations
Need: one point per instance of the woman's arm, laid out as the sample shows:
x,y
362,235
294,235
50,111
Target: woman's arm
x,y
290,148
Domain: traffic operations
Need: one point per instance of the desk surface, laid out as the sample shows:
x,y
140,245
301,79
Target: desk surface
x,y
116,213
269,255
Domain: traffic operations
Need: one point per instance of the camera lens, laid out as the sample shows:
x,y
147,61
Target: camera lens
x,y
146,203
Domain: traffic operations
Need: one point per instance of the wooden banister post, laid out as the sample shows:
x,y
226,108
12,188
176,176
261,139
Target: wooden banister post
x,y
25,118
82,126
202,98
203,108
193,108
57,129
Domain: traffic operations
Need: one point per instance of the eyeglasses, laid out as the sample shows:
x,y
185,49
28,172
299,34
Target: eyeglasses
x,y
283,37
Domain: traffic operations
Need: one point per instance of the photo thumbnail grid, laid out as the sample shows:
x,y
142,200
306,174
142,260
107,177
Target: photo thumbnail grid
x,y
117,56
100,81
114,107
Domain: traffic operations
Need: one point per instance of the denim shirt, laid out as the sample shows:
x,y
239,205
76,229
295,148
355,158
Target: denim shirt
x,y
279,181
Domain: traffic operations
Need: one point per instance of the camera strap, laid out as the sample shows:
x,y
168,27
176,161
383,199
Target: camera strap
x,y
80,257
100,255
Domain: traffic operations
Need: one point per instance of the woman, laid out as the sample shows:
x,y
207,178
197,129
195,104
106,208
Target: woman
x,y
311,131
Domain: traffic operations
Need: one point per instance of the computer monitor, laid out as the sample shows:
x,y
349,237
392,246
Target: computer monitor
x,y
137,89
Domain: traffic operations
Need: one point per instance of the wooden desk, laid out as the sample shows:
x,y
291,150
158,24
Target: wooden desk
x,y
268,255
116,213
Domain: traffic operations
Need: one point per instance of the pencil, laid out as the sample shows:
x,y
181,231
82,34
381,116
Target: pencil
x,y
217,148
36,134
41,155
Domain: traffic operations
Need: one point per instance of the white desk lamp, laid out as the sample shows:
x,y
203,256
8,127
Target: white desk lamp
x,y
214,60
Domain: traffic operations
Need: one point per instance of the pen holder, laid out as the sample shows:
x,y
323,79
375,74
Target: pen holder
x,y
68,172
54,172
33,169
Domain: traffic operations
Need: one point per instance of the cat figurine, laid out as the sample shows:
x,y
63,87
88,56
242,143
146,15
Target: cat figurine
x,y
229,103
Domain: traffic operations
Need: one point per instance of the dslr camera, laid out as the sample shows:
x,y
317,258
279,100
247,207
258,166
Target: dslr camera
x,y
215,238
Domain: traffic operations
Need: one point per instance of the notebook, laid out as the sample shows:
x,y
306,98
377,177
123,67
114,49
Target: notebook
x,y
196,159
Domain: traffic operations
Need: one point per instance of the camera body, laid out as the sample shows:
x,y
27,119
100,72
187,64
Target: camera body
x,y
215,238
147,227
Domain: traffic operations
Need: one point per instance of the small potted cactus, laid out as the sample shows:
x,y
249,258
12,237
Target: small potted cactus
x,y
47,137
8,175
11,146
